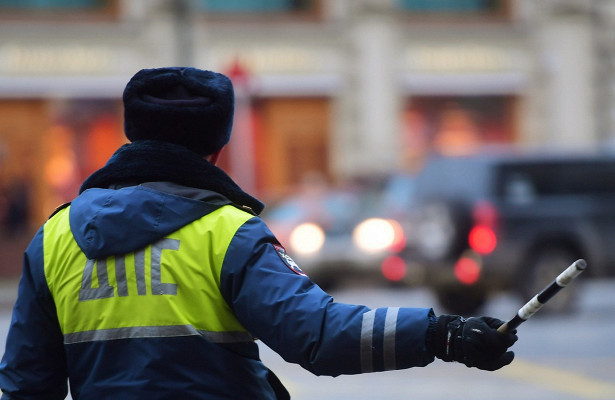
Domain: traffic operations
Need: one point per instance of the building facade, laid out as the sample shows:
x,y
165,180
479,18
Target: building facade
x,y
336,87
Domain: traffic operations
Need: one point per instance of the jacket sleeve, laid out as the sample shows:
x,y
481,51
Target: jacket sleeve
x,y
34,365
281,306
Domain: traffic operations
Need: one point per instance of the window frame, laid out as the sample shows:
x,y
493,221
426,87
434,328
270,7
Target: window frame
x,y
108,11
313,14
503,14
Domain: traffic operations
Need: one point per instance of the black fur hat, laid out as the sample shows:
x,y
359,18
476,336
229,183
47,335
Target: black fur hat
x,y
186,106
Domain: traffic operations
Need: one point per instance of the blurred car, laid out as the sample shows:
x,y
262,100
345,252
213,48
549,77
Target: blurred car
x,y
348,233
506,221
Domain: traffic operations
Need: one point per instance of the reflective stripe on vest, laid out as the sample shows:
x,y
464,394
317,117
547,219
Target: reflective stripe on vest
x,y
170,288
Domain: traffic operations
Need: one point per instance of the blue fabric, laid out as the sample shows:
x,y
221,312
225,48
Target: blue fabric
x,y
298,320
164,368
281,307
34,364
107,222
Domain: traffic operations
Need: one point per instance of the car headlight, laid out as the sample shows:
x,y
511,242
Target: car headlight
x,y
307,238
377,234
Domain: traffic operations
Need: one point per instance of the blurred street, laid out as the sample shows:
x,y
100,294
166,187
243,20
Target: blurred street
x,y
569,357
400,145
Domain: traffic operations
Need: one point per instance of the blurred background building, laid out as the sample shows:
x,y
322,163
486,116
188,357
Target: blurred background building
x,y
335,87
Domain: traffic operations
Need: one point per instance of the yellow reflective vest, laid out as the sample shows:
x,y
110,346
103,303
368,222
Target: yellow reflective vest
x,y
169,288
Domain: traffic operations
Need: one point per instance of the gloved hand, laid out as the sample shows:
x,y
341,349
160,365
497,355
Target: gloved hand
x,y
474,342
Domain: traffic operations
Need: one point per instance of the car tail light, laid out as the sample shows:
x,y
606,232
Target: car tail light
x,y
467,270
482,237
394,268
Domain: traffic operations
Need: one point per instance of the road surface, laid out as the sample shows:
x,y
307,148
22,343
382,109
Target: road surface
x,y
570,357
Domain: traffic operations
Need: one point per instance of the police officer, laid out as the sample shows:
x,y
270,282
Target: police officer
x,y
155,281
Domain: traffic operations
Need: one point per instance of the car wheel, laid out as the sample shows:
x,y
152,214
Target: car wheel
x,y
543,269
461,301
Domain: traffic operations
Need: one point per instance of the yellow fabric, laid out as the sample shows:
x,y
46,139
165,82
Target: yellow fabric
x,y
192,268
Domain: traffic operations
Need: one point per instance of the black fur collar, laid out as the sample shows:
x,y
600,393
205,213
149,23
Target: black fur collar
x,y
152,161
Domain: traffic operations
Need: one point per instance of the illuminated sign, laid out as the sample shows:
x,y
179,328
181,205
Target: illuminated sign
x,y
278,59
55,60
462,58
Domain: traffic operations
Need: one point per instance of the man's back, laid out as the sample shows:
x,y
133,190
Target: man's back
x,y
145,320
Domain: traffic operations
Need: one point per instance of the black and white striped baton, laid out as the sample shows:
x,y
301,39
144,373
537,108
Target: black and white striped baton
x,y
536,303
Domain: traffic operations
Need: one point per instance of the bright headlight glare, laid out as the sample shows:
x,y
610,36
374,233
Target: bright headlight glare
x,y
307,238
376,234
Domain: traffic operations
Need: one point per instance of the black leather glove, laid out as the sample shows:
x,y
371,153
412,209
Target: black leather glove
x,y
474,342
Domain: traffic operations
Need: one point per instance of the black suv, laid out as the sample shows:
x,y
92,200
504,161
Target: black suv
x,y
506,221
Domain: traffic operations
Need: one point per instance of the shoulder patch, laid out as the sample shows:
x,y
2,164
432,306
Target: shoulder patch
x,y
289,262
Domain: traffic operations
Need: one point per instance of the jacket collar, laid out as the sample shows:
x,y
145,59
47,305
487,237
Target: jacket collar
x,y
150,161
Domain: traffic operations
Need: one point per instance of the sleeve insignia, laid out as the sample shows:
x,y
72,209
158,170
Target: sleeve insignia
x,y
289,262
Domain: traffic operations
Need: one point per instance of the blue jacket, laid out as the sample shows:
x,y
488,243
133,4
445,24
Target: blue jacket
x,y
265,290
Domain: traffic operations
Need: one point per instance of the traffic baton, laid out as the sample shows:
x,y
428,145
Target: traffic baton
x,y
536,303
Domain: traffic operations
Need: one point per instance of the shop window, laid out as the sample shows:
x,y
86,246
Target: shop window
x,y
82,135
292,142
47,149
456,125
